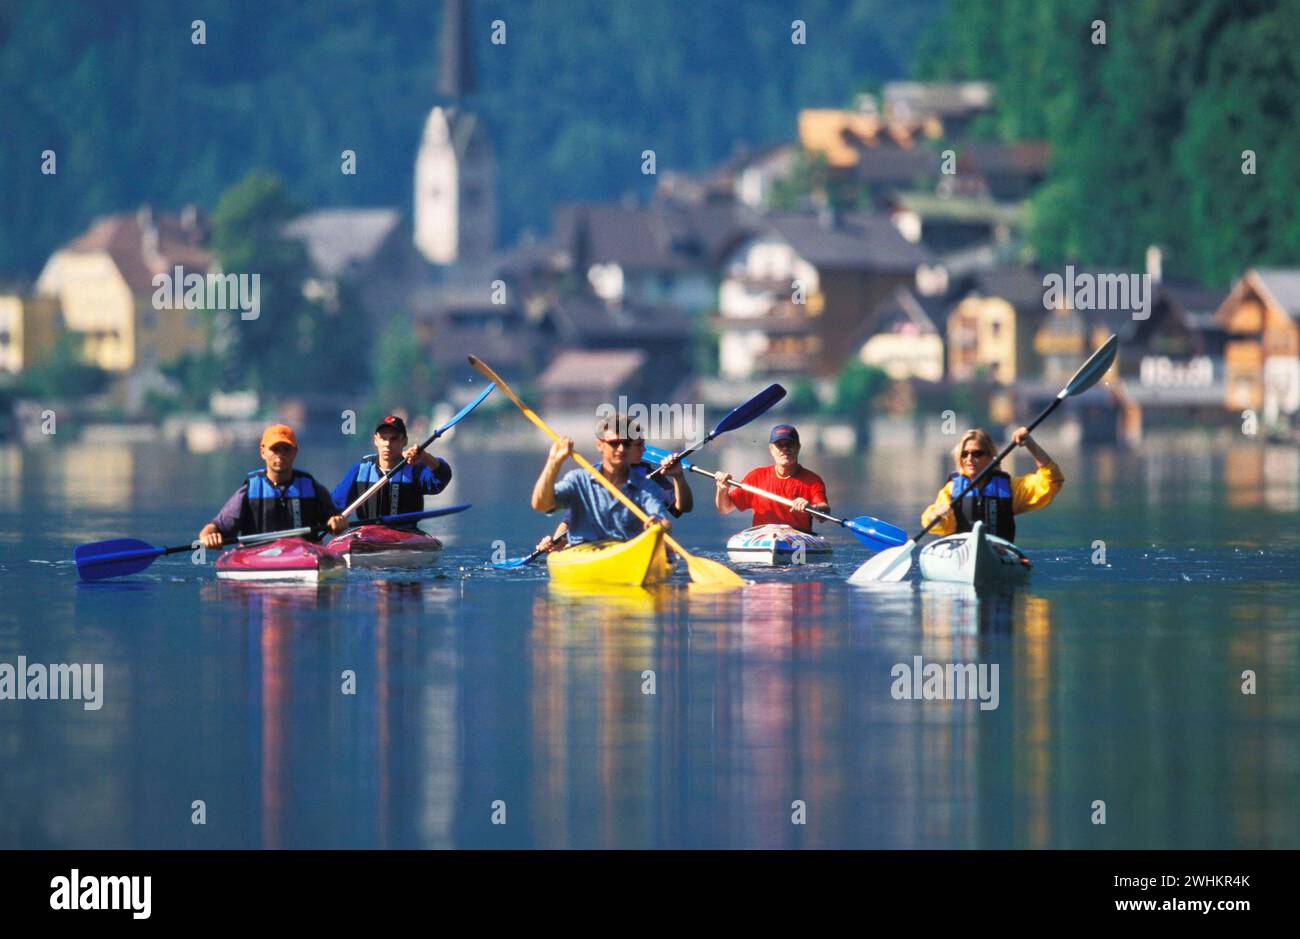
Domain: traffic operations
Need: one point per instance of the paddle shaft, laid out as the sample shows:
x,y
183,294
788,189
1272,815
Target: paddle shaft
x,y
769,495
993,464
738,417
360,500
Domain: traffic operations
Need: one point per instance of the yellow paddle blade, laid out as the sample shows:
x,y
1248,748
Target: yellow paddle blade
x,y
708,572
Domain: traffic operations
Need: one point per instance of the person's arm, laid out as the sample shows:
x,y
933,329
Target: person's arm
x,y
225,526
433,469
817,502
1037,489
722,494
942,506
342,493
335,522
544,489
683,498
654,507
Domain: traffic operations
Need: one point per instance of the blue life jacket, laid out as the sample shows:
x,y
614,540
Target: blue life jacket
x,y
991,504
402,493
271,508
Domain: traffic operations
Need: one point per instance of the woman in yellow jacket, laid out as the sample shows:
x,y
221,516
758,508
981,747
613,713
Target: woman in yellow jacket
x,y
1000,497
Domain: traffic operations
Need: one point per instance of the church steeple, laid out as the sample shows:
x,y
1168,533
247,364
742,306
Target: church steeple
x,y
455,171
455,62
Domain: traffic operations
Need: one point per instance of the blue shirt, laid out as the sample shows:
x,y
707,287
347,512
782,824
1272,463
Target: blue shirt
x,y
595,515
404,493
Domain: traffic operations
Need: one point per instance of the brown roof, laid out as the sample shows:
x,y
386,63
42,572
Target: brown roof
x,y
122,238
599,369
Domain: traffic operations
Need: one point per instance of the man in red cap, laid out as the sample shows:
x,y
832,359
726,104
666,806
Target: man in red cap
x,y
275,498
785,477
424,474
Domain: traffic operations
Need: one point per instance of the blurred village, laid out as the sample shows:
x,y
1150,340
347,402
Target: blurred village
x,y
875,264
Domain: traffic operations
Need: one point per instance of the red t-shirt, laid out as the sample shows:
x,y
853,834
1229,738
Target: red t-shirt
x,y
802,483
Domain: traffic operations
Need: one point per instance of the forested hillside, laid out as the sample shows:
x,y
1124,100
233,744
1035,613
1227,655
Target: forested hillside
x,y
135,112
1148,131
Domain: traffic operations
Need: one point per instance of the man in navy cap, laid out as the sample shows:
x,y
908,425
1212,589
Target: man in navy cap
x,y
424,474
785,477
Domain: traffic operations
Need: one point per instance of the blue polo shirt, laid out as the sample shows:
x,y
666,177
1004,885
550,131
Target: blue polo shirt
x,y
595,515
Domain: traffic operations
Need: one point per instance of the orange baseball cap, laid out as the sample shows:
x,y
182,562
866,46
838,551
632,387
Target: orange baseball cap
x,y
279,433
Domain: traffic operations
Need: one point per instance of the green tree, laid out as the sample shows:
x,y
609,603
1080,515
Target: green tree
x,y
64,373
404,375
294,345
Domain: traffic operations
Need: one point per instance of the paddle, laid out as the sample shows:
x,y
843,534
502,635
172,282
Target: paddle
x,y
872,532
421,448
119,557
738,417
702,570
892,565
511,563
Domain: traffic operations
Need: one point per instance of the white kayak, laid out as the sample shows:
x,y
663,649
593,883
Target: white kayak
x,y
973,557
777,545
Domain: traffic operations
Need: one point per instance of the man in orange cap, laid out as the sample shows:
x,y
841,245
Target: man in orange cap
x,y
275,498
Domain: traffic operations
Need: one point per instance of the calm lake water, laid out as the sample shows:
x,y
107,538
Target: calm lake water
x,y
1119,682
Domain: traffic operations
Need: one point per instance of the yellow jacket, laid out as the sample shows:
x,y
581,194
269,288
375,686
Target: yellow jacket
x,y
1031,491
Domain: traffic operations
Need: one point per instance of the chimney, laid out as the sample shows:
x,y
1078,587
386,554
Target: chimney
x,y
1155,263
149,238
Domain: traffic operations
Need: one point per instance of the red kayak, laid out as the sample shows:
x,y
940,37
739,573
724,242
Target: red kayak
x,y
381,546
282,559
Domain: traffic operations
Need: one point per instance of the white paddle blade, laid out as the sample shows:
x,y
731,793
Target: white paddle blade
x,y
887,567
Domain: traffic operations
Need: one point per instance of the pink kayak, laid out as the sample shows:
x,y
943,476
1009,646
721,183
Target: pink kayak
x,y
282,559
381,546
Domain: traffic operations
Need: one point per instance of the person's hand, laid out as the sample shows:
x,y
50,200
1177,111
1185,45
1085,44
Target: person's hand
x,y
672,465
545,543
658,520
800,504
722,479
1020,436
560,451
337,525
414,454
212,539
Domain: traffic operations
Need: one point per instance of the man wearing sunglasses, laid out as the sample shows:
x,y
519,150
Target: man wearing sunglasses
x,y
784,477
594,514
1000,497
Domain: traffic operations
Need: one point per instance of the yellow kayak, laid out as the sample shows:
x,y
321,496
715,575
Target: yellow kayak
x,y
635,563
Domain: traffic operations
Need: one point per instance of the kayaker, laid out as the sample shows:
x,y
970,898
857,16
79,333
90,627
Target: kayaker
x,y
785,477
424,474
676,490
1000,497
593,513
275,498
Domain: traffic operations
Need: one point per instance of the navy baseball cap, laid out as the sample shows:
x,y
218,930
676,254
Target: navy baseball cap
x,y
394,422
783,432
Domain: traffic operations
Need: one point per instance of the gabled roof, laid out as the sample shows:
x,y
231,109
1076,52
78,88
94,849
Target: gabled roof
x,y
123,238
583,317
857,242
942,98
660,236
1283,286
340,240
579,369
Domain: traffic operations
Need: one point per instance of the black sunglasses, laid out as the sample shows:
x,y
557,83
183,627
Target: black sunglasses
x,y
974,454
621,441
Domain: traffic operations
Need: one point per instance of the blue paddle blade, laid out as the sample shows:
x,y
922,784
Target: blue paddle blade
x,y
510,563
874,533
466,409
116,557
658,455
754,407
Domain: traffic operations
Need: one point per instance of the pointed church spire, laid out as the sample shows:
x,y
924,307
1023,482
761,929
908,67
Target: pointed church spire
x,y
455,63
